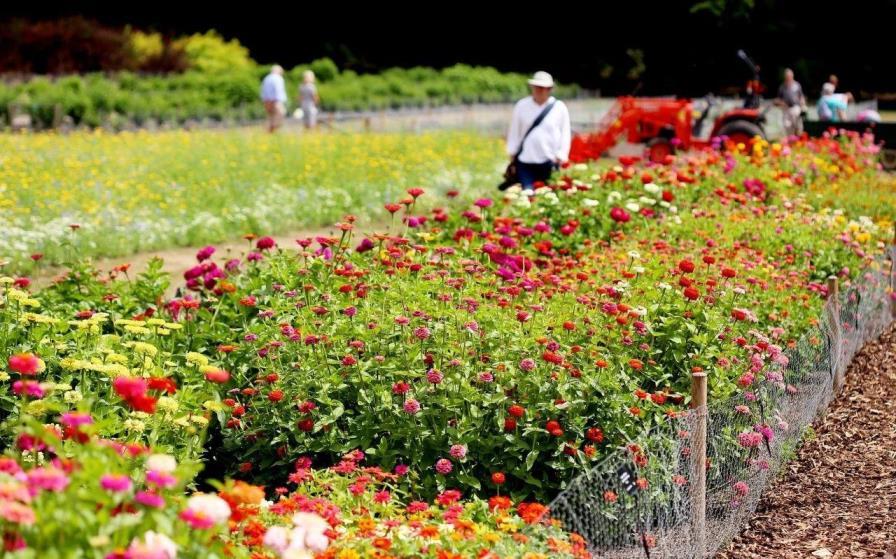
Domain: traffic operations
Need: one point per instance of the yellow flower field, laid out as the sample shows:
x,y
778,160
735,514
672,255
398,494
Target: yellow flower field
x,y
138,191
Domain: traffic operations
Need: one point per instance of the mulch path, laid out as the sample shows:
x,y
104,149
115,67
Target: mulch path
x,y
837,499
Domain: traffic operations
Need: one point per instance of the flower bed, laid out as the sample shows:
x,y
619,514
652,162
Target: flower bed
x,y
494,349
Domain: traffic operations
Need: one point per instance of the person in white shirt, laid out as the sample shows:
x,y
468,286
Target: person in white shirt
x,y
273,95
547,145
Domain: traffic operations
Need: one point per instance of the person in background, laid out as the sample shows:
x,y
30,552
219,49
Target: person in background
x,y
539,150
273,95
832,106
792,102
309,99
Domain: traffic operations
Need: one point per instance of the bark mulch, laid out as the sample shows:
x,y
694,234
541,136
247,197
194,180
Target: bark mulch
x,y
837,499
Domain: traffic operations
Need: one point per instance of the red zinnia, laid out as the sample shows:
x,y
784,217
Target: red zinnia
x,y
686,266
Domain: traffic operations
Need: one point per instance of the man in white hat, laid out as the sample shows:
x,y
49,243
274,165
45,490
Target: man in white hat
x,y
273,95
540,149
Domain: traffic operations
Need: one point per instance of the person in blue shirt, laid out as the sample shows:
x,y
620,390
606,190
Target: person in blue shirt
x,y
273,95
832,106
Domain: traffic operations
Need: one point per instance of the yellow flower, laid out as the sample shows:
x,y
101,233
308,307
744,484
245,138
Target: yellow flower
x,y
145,348
196,358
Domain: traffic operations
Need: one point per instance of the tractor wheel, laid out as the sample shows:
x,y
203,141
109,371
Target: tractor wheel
x,y
888,159
741,131
658,149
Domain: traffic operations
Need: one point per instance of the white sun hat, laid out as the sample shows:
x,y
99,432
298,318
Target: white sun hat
x,y
542,79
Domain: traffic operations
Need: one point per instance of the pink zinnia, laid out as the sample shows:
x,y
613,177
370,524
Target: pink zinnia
x,y
417,506
265,243
411,406
527,364
401,469
149,499
196,520
17,513
47,479
116,483
76,419
205,253
483,203
749,439
129,387
434,376
401,387
422,332
443,466
382,497
741,488
458,451
161,479
28,387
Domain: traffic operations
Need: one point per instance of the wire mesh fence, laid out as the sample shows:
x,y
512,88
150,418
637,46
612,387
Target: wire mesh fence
x,y
645,500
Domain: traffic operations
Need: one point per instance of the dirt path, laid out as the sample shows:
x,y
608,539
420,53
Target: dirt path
x,y
837,500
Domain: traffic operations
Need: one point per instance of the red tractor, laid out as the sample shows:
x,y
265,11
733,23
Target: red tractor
x,y
666,125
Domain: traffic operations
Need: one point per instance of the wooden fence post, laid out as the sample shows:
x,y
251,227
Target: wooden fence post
x,y
698,463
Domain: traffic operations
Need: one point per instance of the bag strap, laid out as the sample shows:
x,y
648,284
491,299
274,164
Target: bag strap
x,y
544,112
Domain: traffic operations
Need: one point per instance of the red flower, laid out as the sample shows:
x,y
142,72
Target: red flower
x,y
595,434
265,243
415,192
668,196
509,424
219,376
691,294
516,410
275,395
728,272
499,502
619,215
686,266
498,478
306,425
26,364
163,384
392,208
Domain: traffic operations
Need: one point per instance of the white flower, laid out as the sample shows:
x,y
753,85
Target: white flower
x,y
590,203
613,196
210,506
634,255
633,207
664,286
646,201
638,269
580,167
277,538
162,463
309,532
651,188
640,311
153,545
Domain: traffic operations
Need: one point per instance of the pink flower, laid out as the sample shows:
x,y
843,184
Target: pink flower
x,y
401,387
382,497
204,511
28,387
422,332
47,479
265,243
443,466
417,506
205,253
150,499
458,451
486,377
527,364
76,419
749,439
483,203
116,483
411,406
434,376
741,488
17,513
160,479
401,469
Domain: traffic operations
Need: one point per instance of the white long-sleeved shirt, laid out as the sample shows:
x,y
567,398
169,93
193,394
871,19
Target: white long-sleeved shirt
x,y
549,141
273,88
